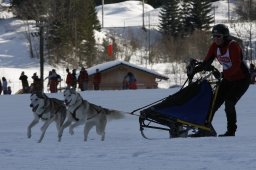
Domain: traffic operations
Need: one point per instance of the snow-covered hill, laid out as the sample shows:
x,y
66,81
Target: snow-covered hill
x,y
14,52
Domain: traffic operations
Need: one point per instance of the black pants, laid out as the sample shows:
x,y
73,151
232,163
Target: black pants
x,y
230,92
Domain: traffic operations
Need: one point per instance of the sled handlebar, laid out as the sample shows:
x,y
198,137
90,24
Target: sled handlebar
x,y
195,66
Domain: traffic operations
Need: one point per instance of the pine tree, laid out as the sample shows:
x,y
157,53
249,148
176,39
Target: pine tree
x,y
201,14
186,17
246,10
58,35
88,23
169,18
71,32
17,2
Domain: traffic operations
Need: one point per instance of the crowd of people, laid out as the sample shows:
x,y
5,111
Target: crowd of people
x,y
54,81
82,80
72,80
35,86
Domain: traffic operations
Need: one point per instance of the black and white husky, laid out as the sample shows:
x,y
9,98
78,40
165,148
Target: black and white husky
x,y
48,110
81,112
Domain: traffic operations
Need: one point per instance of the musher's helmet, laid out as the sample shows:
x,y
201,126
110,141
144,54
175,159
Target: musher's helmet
x,y
220,29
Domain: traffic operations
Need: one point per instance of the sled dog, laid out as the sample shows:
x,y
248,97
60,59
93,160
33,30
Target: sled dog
x,y
81,112
48,110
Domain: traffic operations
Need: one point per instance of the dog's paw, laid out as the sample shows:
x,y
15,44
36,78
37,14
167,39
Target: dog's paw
x,y
29,134
71,132
59,136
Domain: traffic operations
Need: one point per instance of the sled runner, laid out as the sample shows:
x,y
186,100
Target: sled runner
x,y
187,110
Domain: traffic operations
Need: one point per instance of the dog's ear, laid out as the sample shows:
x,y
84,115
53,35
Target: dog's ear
x,y
72,90
40,94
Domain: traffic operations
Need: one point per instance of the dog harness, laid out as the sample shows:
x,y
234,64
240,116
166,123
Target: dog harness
x,y
97,108
47,103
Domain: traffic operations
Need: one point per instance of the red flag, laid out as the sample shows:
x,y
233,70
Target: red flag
x,y
110,50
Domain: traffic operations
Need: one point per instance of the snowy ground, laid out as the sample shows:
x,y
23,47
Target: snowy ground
x,y
124,147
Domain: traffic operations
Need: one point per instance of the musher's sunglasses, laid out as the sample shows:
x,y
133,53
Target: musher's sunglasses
x,y
217,36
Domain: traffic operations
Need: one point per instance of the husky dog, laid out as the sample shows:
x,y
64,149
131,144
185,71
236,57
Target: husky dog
x,y
48,110
81,112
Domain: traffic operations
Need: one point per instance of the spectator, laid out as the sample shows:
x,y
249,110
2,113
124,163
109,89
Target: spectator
x,y
97,80
74,79
53,81
5,85
36,86
252,73
129,81
1,87
83,79
34,77
48,77
69,78
9,90
132,83
24,82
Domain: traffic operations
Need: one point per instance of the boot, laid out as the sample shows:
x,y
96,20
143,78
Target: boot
x,y
231,130
228,133
231,119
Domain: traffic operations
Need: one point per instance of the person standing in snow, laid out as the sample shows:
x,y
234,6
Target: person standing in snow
x,y
69,78
235,76
24,82
5,85
36,86
74,79
9,90
252,73
97,80
53,81
1,87
129,81
83,79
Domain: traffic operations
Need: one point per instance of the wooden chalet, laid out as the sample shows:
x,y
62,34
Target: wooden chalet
x,y
113,73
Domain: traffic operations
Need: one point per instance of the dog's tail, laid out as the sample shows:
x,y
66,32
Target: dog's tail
x,y
114,114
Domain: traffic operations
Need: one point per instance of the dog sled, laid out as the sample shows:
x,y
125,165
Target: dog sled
x,y
187,111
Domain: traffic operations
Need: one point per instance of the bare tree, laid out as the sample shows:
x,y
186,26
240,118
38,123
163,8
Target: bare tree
x,y
246,9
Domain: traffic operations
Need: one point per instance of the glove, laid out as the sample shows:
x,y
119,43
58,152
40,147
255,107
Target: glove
x,y
217,74
190,71
191,68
